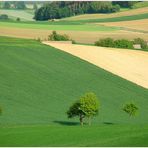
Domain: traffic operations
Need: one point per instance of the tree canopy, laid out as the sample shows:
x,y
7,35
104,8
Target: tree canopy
x,y
56,10
86,106
130,109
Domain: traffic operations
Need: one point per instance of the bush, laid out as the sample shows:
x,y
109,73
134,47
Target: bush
x,y
123,43
18,19
142,43
57,37
107,42
3,17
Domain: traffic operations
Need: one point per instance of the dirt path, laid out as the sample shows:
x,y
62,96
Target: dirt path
x,y
129,64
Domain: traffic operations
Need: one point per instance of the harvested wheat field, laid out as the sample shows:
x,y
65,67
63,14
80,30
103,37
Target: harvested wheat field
x,y
135,24
118,14
129,64
78,36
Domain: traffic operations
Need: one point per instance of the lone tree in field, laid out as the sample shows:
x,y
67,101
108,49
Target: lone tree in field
x,y
131,109
86,106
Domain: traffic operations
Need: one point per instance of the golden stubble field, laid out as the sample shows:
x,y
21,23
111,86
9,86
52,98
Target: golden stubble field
x,y
135,24
78,36
129,64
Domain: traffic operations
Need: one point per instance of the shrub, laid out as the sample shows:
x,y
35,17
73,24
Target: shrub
x,y
123,43
73,42
18,19
3,16
142,43
57,37
107,42
130,109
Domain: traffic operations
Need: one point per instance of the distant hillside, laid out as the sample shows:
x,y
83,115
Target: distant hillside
x,y
56,10
24,15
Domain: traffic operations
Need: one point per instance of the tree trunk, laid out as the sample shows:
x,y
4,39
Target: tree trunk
x,y
89,121
81,120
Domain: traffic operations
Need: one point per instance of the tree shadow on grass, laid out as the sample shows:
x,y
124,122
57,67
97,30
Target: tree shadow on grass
x,y
108,123
67,123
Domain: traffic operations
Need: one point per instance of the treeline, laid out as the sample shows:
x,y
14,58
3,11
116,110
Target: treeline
x,y
125,4
122,43
56,10
19,4
13,5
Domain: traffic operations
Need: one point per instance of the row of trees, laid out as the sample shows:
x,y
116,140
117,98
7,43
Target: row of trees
x,y
125,4
16,5
122,43
88,106
56,10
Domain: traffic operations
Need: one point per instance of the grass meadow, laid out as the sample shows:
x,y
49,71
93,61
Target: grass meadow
x,y
45,26
39,83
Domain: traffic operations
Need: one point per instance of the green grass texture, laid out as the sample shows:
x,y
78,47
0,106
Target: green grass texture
x,y
101,135
48,26
38,83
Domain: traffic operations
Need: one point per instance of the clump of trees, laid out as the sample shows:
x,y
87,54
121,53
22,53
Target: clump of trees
x,y
3,17
125,4
58,37
6,5
86,107
121,43
54,36
19,5
109,42
14,4
56,10
142,43
130,109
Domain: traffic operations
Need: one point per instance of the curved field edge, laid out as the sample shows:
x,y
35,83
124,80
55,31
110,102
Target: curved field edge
x,y
101,135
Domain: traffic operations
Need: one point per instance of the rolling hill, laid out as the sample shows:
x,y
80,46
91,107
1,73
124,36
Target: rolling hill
x,y
24,15
39,83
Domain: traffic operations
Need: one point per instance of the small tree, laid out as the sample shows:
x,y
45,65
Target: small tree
x,y
130,109
86,106
18,19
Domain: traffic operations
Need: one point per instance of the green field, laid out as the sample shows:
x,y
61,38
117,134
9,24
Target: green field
x,y
24,15
101,135
39,83
48,26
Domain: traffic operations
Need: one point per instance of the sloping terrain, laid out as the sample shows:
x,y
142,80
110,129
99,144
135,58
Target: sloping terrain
x,y
39,83
24,15
129,64
36,79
